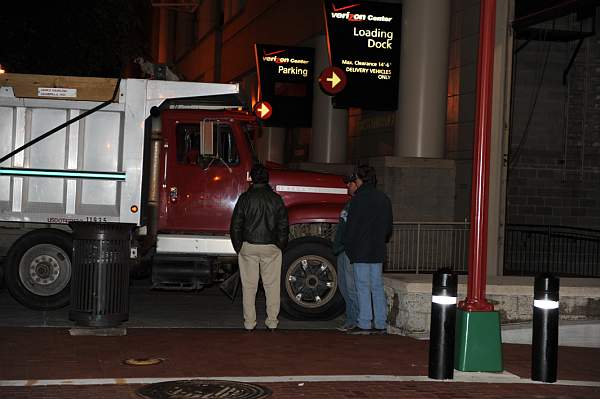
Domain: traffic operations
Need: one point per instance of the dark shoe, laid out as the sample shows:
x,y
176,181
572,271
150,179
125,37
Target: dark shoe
x,y
380,331
269,329
359,331
249,329
345,327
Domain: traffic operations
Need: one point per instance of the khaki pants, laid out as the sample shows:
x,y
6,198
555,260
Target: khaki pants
x,y
266,260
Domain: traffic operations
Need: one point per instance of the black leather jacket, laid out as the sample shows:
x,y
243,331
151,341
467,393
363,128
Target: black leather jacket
x,y
259,217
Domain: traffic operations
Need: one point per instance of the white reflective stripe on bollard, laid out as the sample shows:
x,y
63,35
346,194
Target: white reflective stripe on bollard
x,y
443,300
545,304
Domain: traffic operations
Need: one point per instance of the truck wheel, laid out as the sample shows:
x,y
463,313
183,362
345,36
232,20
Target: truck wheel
x,y
38,269
309,281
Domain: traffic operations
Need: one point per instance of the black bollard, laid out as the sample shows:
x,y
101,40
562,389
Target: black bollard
x,y
443,320
544,346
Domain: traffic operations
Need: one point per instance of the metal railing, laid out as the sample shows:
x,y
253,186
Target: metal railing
x,y
422,247
566,251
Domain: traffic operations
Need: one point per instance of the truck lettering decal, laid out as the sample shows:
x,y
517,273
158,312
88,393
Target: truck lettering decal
x,y
312,190
67,220
57,92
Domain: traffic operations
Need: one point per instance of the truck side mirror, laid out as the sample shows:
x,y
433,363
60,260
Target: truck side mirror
x,y
207,145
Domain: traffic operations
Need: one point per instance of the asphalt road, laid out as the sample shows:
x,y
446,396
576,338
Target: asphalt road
x,y
208,308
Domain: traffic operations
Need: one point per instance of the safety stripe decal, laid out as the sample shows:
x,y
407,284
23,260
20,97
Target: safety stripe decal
x,y
311,190
74,174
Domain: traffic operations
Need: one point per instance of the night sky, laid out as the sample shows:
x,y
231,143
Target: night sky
x,y
78,38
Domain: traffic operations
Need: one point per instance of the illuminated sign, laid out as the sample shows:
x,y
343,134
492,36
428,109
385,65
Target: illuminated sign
x,y
285,81
364,42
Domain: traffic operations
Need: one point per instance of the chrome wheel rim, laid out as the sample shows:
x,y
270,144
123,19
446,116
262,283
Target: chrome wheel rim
x,y
311,281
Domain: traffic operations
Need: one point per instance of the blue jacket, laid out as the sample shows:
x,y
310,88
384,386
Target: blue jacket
x,y
369,226
338,247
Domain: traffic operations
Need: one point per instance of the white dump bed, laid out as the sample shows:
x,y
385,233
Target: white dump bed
x,y
44,184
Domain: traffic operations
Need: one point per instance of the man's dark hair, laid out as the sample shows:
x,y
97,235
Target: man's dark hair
x,y
367,174
259,174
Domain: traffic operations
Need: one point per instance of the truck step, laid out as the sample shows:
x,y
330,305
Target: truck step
x,y
178,285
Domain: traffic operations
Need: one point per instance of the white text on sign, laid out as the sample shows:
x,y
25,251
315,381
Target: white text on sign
x,y
373,34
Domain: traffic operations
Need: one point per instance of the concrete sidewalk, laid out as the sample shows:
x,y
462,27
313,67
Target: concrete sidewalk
x,y
49,363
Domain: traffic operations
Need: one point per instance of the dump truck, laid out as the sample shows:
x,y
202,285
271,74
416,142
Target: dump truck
x,y
169,158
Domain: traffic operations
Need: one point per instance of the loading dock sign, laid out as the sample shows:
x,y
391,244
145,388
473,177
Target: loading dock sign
x,y
364,41
285,81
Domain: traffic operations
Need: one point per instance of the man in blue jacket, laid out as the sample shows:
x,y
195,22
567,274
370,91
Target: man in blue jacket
x,y
368,228
344,269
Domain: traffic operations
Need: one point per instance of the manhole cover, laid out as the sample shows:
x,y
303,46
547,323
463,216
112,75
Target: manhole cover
x,y
205,389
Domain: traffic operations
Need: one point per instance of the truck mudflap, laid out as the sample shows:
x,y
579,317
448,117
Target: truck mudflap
x,y
309,281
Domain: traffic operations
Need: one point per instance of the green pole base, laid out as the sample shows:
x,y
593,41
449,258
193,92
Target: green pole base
x,y
478,342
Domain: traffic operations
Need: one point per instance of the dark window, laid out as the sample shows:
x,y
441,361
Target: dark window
x,y
226,148
192,150
188,143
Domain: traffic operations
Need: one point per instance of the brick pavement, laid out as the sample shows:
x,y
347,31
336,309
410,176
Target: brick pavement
x,y
338,390
51,353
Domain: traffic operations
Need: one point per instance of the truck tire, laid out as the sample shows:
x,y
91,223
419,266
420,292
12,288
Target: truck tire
x,y
38,269
309,281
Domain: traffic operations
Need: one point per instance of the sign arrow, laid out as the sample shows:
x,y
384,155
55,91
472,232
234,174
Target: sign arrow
x,y
263,110
334,79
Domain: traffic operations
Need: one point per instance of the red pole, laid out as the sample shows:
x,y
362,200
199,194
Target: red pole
x,y
476,300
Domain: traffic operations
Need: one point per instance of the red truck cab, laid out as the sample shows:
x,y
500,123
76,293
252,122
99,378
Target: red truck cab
x,y
205,161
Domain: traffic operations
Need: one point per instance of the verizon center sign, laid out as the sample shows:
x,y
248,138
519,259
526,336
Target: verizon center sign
x,y
364,41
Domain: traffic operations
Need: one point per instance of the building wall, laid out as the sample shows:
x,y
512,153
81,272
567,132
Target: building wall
x,y
241,33
243,24
460,114
554,161
370,134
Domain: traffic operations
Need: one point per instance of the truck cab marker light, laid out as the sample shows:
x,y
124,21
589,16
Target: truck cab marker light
x,y
134,209
545,304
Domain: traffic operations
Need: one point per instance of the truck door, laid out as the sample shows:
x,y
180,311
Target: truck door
x,y
204,175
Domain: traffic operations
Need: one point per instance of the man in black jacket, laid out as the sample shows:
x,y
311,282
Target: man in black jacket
x,y
368,228
259,232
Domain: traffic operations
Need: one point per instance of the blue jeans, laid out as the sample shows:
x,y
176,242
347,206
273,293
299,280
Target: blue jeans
x,y
369,284
347,286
